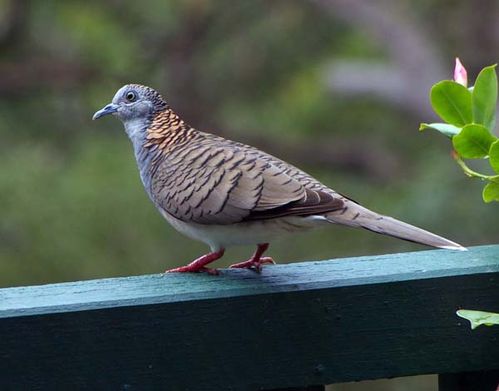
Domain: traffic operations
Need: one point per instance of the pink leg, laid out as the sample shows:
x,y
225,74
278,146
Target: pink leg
x,y
256,261
199,264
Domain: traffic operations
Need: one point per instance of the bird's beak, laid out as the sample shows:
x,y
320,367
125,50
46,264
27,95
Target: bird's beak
x,y
109,109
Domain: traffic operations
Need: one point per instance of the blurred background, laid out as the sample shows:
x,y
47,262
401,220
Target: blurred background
x,y
337,87
334,86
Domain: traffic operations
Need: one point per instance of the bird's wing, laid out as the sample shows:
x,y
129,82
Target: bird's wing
x,y
226,184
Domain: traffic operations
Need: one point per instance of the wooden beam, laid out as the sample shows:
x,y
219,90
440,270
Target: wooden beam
x,y
469,381
292,326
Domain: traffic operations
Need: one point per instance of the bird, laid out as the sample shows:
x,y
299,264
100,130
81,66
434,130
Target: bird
x,y
226,193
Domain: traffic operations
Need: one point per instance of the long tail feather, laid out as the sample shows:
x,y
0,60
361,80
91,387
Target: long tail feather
x,y
357,216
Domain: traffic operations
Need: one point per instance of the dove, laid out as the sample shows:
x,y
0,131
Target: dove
x,y
226,193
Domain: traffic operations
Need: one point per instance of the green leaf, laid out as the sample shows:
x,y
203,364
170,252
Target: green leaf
x,y
473,141
478,318
484,98
491,192
494,156
452,102
448,130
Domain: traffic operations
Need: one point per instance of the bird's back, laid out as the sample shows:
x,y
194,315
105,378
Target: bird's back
x,y
204,178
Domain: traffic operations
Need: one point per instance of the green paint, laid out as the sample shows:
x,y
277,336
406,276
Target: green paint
x,y
294,325
165,288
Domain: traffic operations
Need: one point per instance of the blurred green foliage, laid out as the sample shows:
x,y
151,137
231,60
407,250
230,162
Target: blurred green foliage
x,y
71,201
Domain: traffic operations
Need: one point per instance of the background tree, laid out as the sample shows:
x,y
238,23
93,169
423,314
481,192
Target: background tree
x,y
334,86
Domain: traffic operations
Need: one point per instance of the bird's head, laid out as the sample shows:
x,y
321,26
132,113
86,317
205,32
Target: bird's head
x,y
134,102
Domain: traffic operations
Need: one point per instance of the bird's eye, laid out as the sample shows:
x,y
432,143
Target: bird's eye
x,y
130,96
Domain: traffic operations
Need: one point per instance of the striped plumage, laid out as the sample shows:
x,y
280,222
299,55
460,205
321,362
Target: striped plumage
x,y
224,193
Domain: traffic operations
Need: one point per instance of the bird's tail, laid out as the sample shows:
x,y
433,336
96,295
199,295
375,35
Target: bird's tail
x,y
355,215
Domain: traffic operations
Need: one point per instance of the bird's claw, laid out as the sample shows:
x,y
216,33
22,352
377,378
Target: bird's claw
x,y
253,264
189,269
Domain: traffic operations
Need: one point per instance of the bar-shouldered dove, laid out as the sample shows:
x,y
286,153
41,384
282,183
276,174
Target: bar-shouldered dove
x,y
225,193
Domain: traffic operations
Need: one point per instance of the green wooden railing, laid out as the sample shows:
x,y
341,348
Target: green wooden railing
x,y
299,325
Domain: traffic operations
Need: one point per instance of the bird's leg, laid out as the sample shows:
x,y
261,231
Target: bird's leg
x,y
199,264
256,261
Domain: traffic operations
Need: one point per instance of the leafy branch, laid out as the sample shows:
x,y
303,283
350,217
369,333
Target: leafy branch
x,y
469,116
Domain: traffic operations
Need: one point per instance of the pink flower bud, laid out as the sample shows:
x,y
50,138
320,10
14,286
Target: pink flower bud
x,y
460,74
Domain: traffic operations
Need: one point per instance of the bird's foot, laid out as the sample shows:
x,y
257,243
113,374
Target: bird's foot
x,y
199,265
190,269
253,264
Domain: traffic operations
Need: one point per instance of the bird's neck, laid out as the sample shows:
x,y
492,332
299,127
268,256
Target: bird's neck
x,y
136,129
166,131
154,138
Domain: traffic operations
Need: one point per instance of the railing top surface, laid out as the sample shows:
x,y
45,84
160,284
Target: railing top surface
x,y
161,288
294,325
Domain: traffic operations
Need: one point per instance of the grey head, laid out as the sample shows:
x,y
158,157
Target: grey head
x,y
135,105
